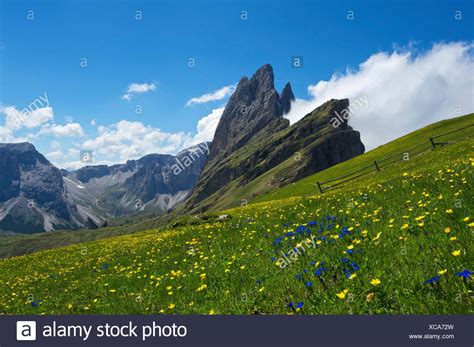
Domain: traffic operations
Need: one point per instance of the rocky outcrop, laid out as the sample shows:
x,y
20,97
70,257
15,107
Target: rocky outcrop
x,y
32,195
249,144
286,97
253,106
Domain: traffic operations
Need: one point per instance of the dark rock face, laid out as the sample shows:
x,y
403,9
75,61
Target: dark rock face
x,y
156,175
248,144
87,173
30,184
253,106
36,196
322,145
156,182
286,97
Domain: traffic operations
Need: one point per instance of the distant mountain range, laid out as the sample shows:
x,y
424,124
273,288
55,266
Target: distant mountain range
x,y
252,140
36,196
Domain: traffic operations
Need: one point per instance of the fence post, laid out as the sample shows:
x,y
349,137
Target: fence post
x,y
319,186
376,165
432,143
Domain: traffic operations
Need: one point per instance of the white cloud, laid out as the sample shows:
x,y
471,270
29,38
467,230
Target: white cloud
x,y
57,154
126,140
68,130
405,90
6,135
127,97
207,125
131,140
27,118
55,145
16,120
138,88
218,94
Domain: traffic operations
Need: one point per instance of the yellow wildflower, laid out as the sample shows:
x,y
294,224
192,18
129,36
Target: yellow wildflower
x,y
342,294
375,282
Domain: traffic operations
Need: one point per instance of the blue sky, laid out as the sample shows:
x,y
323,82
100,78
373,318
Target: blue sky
x,y
227,40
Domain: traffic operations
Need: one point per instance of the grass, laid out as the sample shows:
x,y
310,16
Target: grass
x,y
11,246
263,188
369,248
308,186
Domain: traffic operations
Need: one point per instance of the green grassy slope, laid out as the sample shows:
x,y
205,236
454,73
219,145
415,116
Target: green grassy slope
x,y
11,246
251,193
266,187
368,247
307,186
295,146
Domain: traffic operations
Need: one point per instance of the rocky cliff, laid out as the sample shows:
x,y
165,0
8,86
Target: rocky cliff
x,y
252,142
32,194
254,106
35,196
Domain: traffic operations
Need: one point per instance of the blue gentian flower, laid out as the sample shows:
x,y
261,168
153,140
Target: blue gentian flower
x,y
464,274
309,284
36,303
433,279
354,266
300,304
277,241
319,271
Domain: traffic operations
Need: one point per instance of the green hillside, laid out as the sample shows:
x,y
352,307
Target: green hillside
x,y
308,185
287,154
259,190
397,241
267,186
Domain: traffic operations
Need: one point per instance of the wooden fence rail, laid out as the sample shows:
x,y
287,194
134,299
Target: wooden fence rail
x,y
395,158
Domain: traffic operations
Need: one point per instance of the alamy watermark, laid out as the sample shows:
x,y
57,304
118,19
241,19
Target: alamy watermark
x,y
185,161
22,116
355,106
293,254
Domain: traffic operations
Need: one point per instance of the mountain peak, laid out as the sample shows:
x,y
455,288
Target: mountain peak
x,y
262,80
252,107
18,147
286,97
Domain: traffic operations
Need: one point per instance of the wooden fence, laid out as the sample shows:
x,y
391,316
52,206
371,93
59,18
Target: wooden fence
x,y
377,165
